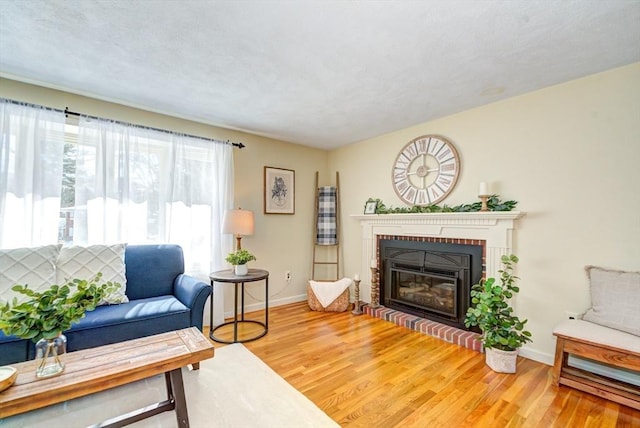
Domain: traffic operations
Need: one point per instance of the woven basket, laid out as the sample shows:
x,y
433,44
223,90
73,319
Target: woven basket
x,y
501,361
340,304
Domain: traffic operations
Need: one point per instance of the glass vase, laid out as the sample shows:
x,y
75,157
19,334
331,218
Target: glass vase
x,y
50,355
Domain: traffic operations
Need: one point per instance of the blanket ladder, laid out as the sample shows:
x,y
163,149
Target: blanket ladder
x,y
326,231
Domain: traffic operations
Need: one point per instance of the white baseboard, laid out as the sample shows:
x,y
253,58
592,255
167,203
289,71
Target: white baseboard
x,y
535,355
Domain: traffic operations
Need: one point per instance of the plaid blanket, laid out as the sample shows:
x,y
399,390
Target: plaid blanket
x,y
327,233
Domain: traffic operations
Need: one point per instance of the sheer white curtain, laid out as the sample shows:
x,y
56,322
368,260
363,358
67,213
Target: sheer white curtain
x,y
138,185
31,153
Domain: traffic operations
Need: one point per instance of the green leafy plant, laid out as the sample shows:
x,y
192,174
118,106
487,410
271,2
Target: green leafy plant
x,y
46,314
492,313
493,204
240,257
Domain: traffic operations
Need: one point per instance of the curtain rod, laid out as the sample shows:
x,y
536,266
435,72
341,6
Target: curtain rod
x,y
67,112
73,113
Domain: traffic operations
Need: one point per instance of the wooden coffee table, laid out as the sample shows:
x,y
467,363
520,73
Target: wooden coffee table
x,y
97,369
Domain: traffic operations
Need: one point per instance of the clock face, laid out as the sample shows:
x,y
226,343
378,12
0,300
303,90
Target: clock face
x,y
426,170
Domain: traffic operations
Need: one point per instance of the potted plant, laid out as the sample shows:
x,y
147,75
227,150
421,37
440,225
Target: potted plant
x,y
502,332
239,260
45,315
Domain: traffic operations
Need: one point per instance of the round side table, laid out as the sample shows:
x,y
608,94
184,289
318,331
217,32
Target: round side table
x,y
229,276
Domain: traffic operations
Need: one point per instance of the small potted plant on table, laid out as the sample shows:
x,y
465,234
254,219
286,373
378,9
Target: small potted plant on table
x,y
44,316
239,260
502,332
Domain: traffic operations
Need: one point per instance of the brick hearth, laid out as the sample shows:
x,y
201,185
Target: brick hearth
x,y
467,339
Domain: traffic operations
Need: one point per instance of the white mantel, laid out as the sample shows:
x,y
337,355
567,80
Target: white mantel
x,y
494,227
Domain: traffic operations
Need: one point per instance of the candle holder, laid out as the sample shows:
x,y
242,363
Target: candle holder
x,y
356,309
484,199
375,291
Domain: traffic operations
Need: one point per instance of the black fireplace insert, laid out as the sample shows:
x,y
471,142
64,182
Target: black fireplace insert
x,y
429,279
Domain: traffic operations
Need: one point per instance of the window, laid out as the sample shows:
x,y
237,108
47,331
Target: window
x,y
68,195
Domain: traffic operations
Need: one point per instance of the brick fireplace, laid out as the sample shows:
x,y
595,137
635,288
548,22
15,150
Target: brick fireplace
x,y
433,299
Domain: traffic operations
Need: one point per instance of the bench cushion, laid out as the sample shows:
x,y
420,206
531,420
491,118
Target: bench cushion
x,y
597,334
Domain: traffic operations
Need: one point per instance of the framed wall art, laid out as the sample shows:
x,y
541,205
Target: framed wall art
x,y
370,207
279,191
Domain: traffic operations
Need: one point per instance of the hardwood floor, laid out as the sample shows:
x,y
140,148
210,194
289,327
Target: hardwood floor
x,y
366,372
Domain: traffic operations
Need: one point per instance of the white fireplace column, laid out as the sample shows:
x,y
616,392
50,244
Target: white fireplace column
x,y
494,227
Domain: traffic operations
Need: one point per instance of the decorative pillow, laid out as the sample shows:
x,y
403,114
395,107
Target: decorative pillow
x,y
86,262
615,299
35,267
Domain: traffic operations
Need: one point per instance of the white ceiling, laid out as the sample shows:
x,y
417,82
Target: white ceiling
x,y
318,73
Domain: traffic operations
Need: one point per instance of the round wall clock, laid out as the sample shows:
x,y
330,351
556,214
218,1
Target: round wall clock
x,y
426,170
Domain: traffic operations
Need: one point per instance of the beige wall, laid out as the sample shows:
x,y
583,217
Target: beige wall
x,y
569,154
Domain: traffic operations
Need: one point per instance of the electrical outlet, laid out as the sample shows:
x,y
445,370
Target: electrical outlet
x,y
571,315
287,276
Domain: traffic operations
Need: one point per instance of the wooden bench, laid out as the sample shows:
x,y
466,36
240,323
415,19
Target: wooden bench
x,y
604,345
96,369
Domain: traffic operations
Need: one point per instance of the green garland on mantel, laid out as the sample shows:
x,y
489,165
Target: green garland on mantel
x,y
493,204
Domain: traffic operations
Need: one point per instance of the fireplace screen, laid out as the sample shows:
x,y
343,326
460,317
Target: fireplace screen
x,y
428,279
430,291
